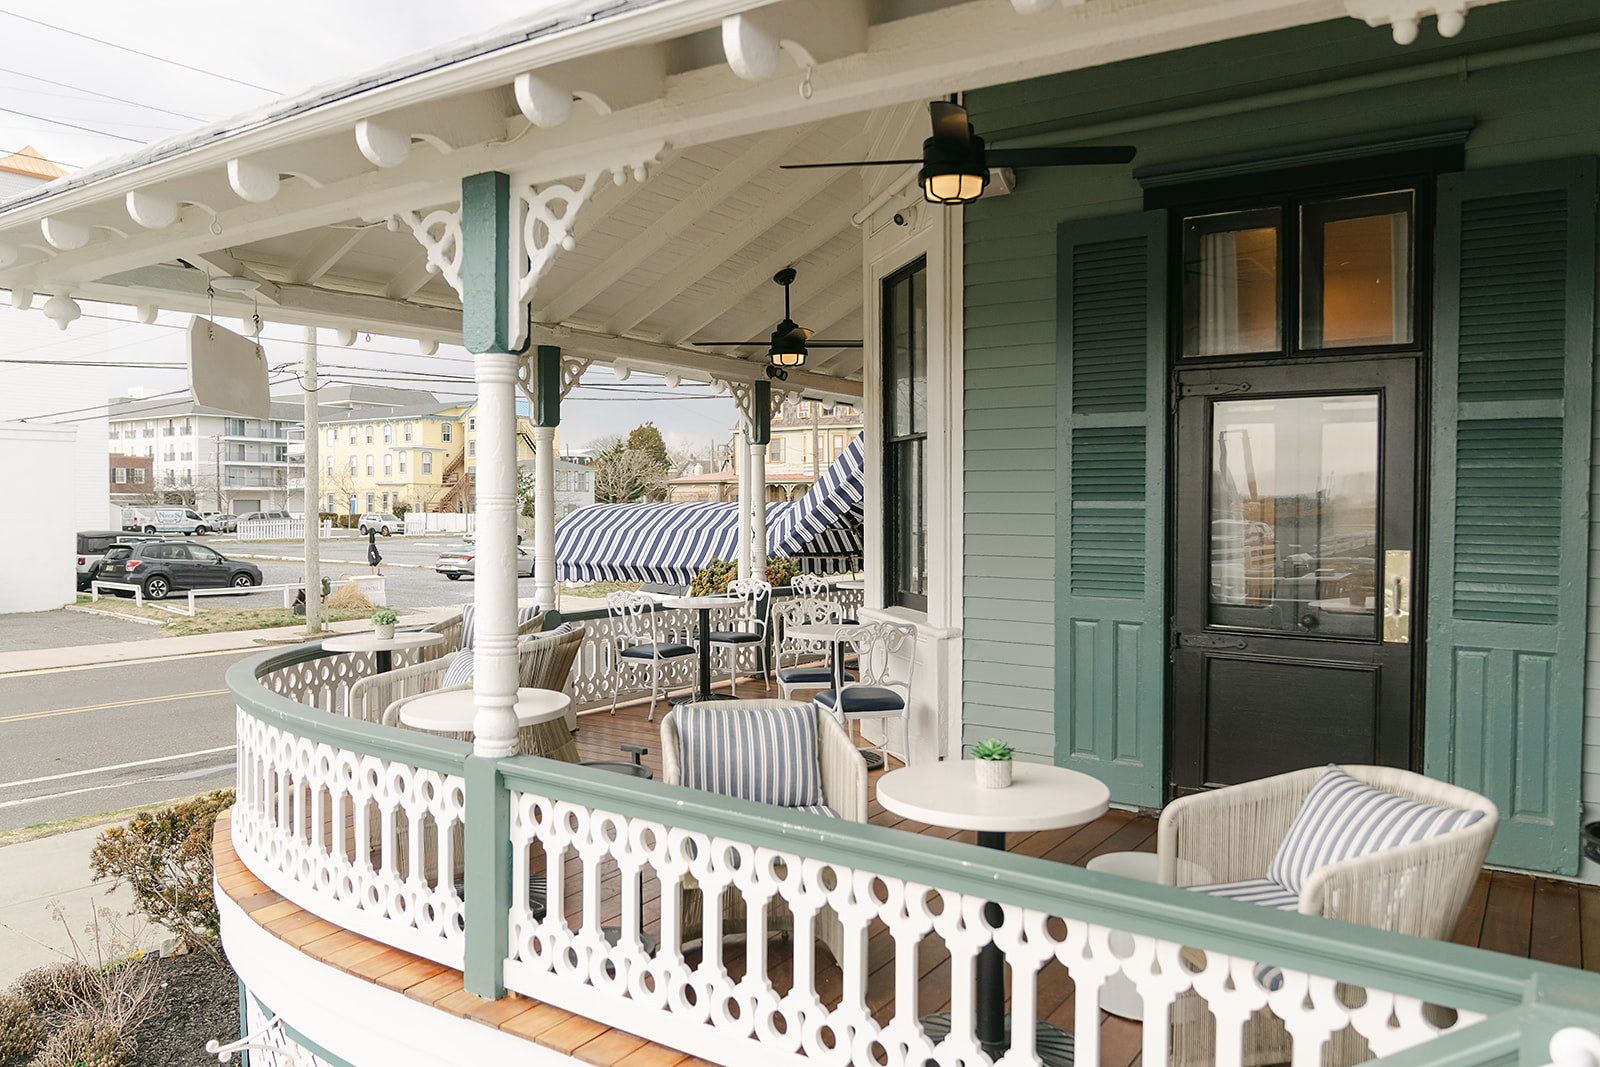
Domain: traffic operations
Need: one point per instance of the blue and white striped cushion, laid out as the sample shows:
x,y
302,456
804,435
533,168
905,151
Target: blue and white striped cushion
x,y
469,621
1343,818
1262,891
766,754
460,670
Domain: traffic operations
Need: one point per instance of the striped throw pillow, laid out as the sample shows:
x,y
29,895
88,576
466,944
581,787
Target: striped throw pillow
x,y
1343,818
460,670
766,754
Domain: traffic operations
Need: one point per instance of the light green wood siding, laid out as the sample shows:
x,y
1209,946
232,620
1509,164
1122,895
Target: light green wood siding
x,y
1509,560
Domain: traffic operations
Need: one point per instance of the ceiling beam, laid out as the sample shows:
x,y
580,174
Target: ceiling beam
x,y
668,227
410,278
324,254
817,233
720,249
753,318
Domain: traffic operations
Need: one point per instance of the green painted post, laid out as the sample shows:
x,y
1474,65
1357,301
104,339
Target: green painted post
x,y
486,262
760,431
488,866
548,372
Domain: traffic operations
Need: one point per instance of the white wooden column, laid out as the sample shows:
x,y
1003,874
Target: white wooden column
x,y
495,589
544,517
745,493
758,510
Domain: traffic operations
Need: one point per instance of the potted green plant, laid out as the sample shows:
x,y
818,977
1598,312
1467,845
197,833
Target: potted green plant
x,y
383,621
993,761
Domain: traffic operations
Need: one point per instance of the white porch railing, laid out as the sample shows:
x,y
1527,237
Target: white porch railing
x,y
327,807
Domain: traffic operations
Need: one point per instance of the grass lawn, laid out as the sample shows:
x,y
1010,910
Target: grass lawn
x,y
209,620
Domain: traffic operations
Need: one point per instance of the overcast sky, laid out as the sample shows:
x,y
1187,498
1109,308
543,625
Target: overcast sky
x,y
90,80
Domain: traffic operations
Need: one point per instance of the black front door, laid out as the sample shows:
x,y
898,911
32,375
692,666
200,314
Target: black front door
x,y
1292,565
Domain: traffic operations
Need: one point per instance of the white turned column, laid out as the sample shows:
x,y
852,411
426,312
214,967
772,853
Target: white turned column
x,y
313,488
758,510
743,556
495,589
544,516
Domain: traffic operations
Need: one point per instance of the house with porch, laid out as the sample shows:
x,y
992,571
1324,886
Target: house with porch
x,y
1253,433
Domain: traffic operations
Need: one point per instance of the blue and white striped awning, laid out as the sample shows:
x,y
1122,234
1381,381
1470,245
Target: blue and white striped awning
x,y
674,542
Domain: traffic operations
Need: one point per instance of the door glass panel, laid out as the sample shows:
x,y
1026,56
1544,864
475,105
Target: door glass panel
x,y
1294,515
1357,277
1230,283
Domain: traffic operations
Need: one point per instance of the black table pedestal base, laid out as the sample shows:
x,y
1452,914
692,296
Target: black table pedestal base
x,y
698,698
1053,1044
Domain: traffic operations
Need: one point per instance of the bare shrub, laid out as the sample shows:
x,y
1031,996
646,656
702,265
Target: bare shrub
x,y
165,858
116,985
20,1033
47,988
348,595
86,1042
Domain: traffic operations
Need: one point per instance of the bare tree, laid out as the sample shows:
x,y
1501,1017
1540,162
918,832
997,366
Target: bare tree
x,y
624,475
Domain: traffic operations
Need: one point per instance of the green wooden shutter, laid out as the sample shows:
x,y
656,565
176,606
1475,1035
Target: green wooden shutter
x,y
1110,493
1508,565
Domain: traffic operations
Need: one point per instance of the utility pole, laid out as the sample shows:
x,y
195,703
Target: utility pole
x,y
313,571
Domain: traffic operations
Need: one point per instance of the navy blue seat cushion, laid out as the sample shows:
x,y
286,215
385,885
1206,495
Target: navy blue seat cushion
x,y
734,636
661,649
863,698
820,675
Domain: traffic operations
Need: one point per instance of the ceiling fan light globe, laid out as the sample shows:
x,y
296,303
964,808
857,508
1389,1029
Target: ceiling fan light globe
x,y
787,357
953,188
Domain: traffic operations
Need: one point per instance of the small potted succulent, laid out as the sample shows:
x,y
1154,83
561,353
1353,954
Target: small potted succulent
x,y
992,759
383,621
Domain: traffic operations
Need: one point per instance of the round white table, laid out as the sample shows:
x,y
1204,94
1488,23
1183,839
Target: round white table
x,y
1040,797
1119,995
452,713
702,604
369,641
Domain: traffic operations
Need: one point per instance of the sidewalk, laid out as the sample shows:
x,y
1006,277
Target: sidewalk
x,y
56,868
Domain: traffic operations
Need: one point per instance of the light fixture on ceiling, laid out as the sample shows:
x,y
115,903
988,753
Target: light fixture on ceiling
x,y
787,347
955,162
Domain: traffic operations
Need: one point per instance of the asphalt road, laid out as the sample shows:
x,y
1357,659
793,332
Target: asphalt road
x,y
407,566
95,739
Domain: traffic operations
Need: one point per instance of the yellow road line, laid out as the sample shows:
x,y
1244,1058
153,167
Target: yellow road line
x,y
114,704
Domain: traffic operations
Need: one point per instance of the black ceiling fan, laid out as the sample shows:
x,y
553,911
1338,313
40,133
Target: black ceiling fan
x,y
790,340
955,163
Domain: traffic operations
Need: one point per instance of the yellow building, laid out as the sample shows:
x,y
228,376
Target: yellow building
x,y
410,457
417,457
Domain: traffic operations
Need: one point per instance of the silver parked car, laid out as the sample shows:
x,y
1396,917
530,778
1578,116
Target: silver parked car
x,y
454,562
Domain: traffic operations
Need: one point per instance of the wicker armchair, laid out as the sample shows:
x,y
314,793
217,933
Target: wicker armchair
x,y
1233,834
451,628
844,784
370,696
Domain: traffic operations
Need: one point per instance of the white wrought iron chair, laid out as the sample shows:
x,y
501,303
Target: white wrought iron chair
x,y
1234,839
807,658
638,639
749,627
699,757
886,654
812,585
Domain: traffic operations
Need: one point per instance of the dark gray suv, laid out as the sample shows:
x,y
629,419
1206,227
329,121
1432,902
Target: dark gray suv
x,y
162,566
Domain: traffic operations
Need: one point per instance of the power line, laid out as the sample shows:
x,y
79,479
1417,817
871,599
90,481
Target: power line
x,y
135,51
103,96
35,155
70,125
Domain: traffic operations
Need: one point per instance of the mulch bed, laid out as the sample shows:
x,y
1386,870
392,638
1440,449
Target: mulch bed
x,y
201,1003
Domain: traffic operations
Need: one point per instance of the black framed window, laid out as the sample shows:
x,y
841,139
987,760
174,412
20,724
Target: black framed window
x,y
905,433
1308,272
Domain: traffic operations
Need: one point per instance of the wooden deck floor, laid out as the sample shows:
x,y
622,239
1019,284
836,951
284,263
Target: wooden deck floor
x,y
1537,918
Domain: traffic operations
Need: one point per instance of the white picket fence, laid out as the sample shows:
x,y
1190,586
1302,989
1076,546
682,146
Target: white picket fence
x,y
426,522
278,530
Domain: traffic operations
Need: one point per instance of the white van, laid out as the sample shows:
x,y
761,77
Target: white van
x,y
164,520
